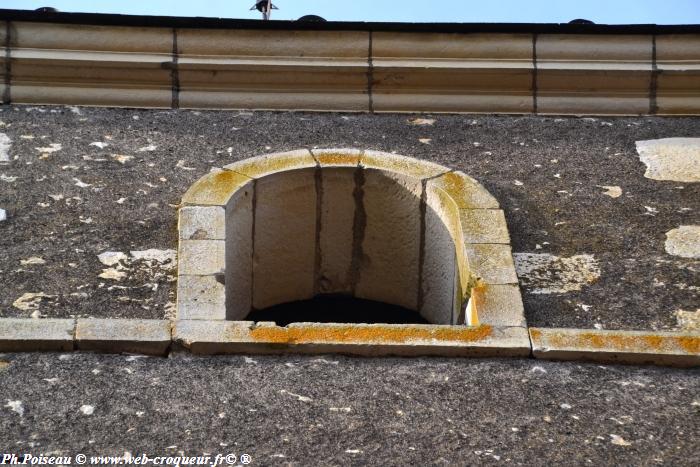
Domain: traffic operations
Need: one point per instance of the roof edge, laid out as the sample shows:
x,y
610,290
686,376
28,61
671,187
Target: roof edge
x,y
232,23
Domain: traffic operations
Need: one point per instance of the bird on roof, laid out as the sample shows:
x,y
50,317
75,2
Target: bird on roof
x,y
264,6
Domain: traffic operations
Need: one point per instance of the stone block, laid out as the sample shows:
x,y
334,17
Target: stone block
x,y
225,337
142,336
201,257
337,157
390,257
202,223
466,192
441,271
452,72
201,297
633,347
259,167
499,305
85,37
285,237
215,188
492,263
336,235
484,226
406,166
342,46
239,253
31,335
593,74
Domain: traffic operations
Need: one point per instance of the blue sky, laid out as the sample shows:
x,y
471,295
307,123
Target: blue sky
x,y
508,11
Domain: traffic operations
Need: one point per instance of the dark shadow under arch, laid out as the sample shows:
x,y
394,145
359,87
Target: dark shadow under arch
x,y
337,309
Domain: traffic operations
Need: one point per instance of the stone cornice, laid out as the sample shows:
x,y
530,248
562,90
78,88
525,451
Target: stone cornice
x,y
371,70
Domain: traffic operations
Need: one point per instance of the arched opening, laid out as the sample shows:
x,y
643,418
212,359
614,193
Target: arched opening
x,y
351,231
269,235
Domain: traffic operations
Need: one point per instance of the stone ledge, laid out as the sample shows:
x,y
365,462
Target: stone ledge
x,y
633,347
371,340
154,337
33,335
150,337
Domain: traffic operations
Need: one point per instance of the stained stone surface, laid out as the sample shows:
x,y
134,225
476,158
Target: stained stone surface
x,y
69,201
335,410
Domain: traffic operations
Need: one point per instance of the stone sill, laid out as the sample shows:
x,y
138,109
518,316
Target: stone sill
x,y
159,337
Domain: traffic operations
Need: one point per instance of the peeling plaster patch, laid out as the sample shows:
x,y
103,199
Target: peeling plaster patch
x,y
684,241
121,158
543,273
612,191
30,301
15,406
688,320
300,398
32,260
80,184
53,147
112,274
422,121
340,409
156,263
5,145
619,441
110,258
159,256
675,159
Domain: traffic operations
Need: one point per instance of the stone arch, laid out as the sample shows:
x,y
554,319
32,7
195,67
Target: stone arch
x,y
289,226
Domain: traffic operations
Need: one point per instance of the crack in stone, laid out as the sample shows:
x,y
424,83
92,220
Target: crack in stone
x,y
359,224
653,82
318,183
534,74
370,74
6,95
423,207
174,74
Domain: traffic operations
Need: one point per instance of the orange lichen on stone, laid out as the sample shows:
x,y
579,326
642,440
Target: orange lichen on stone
x,y
443,204
638,342
402,165
466,192
257,167
479,294
690,344
367,334
335,158
215,188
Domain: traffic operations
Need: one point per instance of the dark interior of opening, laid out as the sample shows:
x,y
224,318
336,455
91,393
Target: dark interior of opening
x,y
337,309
